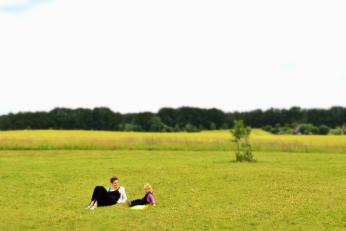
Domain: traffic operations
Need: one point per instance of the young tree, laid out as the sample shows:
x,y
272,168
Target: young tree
x,y
241,136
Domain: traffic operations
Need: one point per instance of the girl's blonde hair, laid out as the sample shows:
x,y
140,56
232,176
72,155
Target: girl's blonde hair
x,y
148,186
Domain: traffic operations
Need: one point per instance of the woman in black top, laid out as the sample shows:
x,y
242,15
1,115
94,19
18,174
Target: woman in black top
x,y
103,197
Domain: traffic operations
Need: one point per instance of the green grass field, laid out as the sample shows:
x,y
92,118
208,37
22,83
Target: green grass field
x,y
195,189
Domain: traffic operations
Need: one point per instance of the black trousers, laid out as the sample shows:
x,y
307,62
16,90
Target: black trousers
x,y
142,201
103,197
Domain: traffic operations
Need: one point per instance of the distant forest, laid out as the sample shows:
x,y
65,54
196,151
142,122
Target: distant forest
x,y
173,119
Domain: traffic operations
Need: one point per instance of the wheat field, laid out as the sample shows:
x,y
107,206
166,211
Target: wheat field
x,y
208,141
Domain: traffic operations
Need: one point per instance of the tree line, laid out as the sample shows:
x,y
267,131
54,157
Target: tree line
x,y
171,119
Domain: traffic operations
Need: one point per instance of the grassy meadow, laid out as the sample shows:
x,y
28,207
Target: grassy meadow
x,y
202,141
47,177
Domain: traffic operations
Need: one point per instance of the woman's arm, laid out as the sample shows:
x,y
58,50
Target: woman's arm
x,y
123,196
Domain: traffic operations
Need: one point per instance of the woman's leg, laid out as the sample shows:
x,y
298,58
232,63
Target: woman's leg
x,y
95,192
98,192
94,206
99,195
91,204
95,195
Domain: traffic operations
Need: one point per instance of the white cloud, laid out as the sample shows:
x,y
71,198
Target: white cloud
x,y
13,6
12,2
142,55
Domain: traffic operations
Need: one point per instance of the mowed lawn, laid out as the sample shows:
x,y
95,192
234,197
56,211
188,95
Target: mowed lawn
x,y
205,190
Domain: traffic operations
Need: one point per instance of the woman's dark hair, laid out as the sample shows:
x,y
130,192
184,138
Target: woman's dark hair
x,y
114,179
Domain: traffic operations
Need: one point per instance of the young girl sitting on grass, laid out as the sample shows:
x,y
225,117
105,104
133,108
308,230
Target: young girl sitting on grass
x,y
147,199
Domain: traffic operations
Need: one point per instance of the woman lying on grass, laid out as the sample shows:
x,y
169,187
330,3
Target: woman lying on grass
x,y
147,199
103,197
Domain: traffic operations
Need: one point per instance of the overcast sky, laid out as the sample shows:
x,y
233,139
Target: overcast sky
x,y
136,55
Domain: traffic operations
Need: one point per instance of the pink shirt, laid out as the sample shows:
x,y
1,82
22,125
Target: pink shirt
x,y
151,198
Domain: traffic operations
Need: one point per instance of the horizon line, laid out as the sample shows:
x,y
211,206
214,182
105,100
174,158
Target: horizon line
x,y
184,106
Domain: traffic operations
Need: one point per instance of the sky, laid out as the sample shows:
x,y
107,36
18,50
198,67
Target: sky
x,y
136,55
